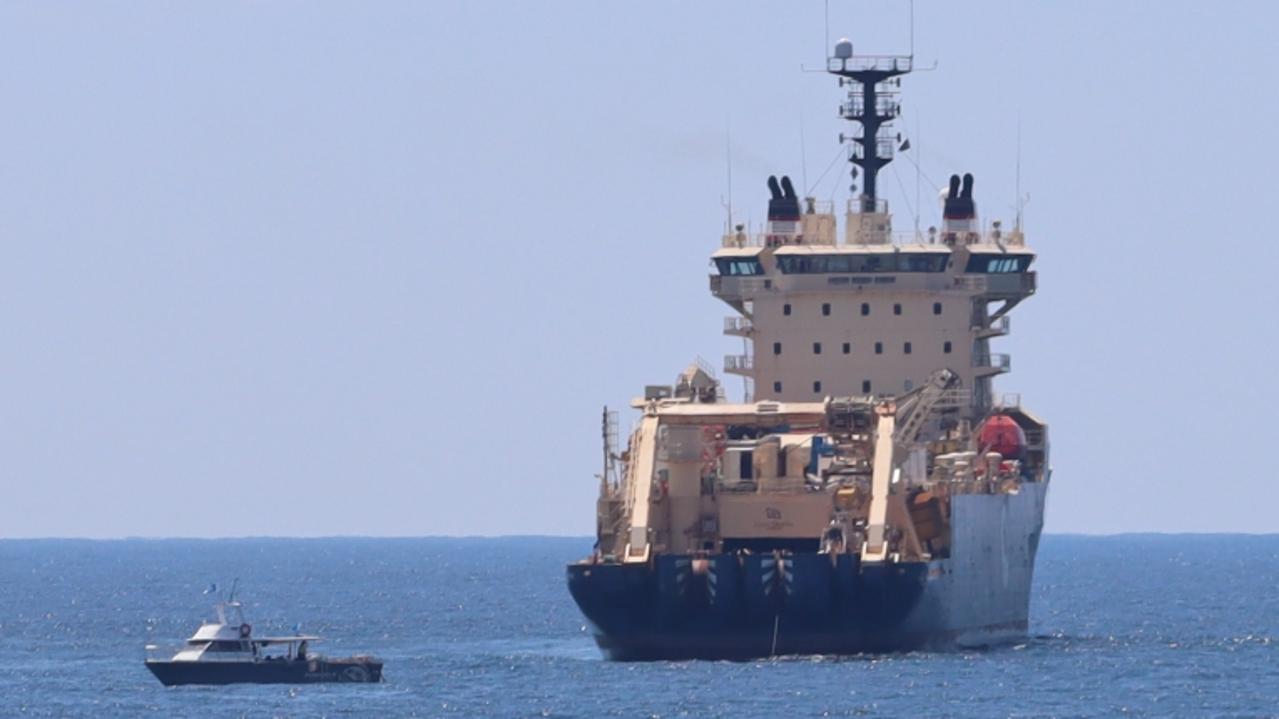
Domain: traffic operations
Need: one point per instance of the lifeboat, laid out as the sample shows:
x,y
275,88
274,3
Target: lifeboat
x,y
1000,433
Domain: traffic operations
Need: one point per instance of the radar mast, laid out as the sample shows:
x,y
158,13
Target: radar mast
x,y
872,103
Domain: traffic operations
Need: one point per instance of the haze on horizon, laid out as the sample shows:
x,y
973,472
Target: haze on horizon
x,y
325,269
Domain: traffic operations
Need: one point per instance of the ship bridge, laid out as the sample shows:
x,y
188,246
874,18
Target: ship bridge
x,y
820,318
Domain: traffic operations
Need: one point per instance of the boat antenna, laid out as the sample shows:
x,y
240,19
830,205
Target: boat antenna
x,y
231,596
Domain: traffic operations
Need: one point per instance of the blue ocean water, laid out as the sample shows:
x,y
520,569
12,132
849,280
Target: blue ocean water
x,y
1137,626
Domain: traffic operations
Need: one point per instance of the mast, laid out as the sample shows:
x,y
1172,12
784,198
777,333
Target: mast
x,y
872,103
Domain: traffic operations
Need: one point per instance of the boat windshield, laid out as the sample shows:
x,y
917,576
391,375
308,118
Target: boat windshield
x,y
221,645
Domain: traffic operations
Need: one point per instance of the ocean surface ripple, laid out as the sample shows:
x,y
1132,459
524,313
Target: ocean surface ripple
x,y
1132,626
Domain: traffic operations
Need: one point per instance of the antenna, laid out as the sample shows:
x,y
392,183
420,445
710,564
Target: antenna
x,y
918,151
803,152
728,161
1020,204
826,30
231,597
912,28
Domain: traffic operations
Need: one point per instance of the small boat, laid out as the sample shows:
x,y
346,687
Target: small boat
x,y
226,652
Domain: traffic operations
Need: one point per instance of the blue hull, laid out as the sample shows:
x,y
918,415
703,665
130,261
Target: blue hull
x,y
743,606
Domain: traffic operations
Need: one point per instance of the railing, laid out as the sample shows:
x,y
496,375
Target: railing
x,y
998,327
1008,400
931,236
883,63
737,286
954,399
738,326
742,239
994,361
739,363
854,205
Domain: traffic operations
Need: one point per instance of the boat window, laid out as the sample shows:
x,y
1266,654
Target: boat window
x,y
859,263
998,263
936,308
735,266
777,386
826,309
817,386
945,347
777,348
848,347
786,309
227,646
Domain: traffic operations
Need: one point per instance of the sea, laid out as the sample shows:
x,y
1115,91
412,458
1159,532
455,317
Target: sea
x,y
1121,626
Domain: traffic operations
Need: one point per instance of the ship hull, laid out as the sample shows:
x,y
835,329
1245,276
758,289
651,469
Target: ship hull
x,y
745,606
171,673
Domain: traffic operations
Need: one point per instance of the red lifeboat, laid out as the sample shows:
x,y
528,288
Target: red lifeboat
x,y
999,433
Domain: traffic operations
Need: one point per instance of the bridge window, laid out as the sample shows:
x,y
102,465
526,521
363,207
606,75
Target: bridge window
x,y
998,263
861,263
736,266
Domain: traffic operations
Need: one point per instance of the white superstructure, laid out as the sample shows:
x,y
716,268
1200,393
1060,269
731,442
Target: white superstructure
x,y
822,318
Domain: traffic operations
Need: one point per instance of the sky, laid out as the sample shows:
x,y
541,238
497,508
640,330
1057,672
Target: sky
x,y
374,268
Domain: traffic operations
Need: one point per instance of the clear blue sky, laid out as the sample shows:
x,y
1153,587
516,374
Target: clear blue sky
x,y
373,268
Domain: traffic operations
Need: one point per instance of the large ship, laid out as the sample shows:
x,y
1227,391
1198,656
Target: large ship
x,y
870,492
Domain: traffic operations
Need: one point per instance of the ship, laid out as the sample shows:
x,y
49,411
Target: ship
x,y
871,492
226,651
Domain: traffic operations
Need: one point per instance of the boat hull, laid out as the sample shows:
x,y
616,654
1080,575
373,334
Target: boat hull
x,y
745,606
171,673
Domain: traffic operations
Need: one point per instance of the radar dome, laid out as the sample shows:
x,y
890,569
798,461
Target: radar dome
x,y
844,48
